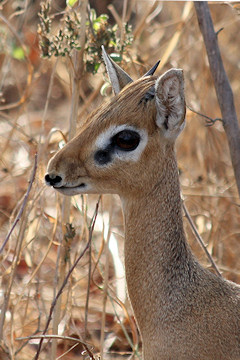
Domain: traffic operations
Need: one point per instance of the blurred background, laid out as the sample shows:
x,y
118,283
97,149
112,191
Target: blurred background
x,y
51,78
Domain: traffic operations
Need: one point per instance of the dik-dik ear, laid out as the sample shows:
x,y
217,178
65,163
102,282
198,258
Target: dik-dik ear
x,y
170,103
117,76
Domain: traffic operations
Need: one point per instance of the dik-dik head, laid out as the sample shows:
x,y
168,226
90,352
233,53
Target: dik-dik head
x,y
124,143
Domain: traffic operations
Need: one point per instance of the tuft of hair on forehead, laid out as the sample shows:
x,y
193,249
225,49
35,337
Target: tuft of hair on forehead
x,y
125,107
136,91
129,100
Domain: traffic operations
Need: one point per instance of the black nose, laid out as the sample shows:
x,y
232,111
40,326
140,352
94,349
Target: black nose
x,y
52,179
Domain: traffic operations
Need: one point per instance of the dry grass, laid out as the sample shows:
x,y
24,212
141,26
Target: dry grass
x,y
35,100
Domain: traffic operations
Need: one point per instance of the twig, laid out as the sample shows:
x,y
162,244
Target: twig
x,y
88,290
209,121
124,11
200,240
77,70
17,250
49,93
23,204
142,23
61,337
105,282
89,278
222,85
77,66
29,65
114,13
66,280
179,31
134,341
55,337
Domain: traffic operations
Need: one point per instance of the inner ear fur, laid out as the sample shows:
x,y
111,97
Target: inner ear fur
x,y
170,102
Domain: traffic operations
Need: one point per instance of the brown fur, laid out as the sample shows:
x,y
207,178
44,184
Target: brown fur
x,y
183,311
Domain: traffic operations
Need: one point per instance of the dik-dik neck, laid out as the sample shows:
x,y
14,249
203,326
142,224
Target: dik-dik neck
x,y
153,220
158,260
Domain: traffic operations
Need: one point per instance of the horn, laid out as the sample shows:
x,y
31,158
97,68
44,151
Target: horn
x,y
151,92
153,69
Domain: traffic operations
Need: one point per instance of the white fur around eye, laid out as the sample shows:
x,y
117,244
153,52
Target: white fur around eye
x,y
104,140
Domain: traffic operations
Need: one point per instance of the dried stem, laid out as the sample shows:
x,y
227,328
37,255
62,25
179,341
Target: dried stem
x,y
18,248
222,85
105,283
209,121
56,337
50,87
60,291
23,204
175,39
76,74
88,290
29,66
142,23
200,240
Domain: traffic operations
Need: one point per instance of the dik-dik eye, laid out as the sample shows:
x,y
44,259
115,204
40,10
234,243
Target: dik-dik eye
x,y
126,140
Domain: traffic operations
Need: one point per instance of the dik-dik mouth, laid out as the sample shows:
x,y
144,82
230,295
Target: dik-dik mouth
x,y
71,190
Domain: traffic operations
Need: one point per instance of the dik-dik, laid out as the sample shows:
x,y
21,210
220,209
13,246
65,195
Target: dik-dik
x,y
183,311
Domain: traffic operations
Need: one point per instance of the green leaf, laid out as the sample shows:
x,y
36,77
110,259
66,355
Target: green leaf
x,y
71,3
18,53
104,88
103,17
96,25
96,67
93,15
116,57
112,43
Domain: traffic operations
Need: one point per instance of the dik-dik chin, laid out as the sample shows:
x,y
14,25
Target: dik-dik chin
x,y
183,311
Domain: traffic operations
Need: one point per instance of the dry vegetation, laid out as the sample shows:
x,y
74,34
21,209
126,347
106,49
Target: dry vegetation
x,y
37,248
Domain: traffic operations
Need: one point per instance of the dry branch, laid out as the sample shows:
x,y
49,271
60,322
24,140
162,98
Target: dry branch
x,y
29,67
57,337
200,240
18,247
23,205
60,291
222,85
76,73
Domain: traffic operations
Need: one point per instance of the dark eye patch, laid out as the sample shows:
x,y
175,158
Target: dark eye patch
x,y
103,157
125,140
